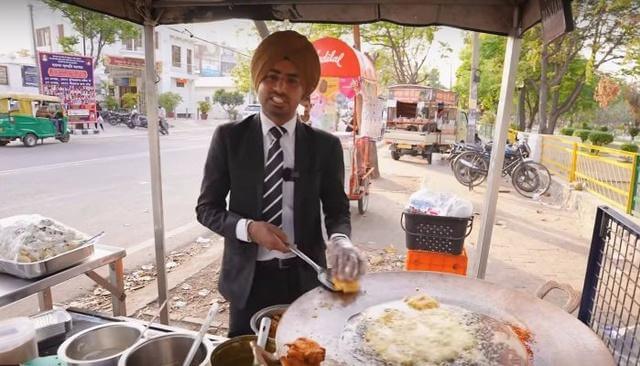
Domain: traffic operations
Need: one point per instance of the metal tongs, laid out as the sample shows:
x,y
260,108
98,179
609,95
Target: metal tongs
x,y
92,239
323,274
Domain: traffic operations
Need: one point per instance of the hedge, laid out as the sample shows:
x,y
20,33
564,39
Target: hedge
x,y
567,131
629,148
583,134
600,138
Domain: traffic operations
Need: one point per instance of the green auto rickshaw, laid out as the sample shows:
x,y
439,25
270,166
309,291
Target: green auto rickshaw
x,y
31,117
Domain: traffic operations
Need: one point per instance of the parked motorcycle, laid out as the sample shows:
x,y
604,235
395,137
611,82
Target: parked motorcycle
x,y
137,120
163,126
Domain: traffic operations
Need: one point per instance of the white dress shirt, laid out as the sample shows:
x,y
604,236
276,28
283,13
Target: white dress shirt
x,y
287,142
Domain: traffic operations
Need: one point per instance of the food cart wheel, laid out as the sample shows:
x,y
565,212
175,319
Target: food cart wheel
x,y
395,155
65,138
363,201
4,142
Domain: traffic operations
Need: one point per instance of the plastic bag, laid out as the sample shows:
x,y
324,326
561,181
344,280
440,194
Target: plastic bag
x,y
32,238
427,202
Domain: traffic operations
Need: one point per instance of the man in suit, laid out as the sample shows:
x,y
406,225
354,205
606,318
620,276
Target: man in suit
x,y
277,172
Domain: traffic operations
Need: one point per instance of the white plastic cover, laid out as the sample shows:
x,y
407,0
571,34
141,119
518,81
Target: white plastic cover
x,y
32,238
440,204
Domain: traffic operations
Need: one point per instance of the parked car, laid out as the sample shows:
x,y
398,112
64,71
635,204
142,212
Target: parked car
x,y
249,110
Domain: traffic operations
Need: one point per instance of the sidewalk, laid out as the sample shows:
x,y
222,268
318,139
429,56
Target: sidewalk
x,y
176,125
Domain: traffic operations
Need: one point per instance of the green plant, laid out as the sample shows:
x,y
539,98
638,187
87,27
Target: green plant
x,y
229,101
603,129
169,100
633,132
629,147
111,102
583,134
204,106
129,100
585,126
599,138
567,131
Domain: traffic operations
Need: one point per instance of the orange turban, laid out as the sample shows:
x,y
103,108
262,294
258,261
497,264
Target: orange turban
x,y
292,46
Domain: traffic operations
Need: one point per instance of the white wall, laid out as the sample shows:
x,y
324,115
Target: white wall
x,y
15,79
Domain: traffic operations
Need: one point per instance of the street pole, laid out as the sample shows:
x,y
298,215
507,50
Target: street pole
x,y
151,97
356,36
35,45
473,87
488,215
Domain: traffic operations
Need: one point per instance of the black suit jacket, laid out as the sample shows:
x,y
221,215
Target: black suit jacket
x,y
235,166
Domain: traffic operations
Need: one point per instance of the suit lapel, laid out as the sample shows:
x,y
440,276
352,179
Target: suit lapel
x,y
303,154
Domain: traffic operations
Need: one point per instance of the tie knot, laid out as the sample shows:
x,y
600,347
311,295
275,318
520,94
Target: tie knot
x,y
277,132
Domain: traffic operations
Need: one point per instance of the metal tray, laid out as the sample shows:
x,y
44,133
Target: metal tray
x,y
48,266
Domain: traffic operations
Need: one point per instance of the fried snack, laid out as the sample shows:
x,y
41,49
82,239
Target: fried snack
x,y
346,286
274,325
303,352
422,302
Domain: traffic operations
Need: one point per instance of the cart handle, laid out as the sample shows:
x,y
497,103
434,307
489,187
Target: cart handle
x,y
469,228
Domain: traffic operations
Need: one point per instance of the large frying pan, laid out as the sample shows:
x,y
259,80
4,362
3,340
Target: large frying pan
x,y
558,337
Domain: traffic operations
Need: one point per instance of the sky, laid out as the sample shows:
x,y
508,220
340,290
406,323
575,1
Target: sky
x,y
237,33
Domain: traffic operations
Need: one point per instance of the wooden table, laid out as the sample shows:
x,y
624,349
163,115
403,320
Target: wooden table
x,y
13,288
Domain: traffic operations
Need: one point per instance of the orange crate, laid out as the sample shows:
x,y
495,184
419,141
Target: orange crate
x,y
422,260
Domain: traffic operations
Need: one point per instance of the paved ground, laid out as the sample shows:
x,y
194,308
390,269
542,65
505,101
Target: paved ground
x,y
101,183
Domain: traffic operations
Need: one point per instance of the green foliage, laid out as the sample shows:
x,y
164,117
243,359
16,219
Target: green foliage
x,y
583,134
603,129
129,100
433,79
111,102
585,126
629,147
229,101
68,44
567,131
633,132
204,106
600,138
97,30
169,100
488,118
241,75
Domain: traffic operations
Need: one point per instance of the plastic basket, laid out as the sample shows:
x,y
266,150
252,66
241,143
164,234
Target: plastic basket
x,y
421,260
435,233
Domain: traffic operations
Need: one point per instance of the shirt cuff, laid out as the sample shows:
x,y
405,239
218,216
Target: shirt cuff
x,y
242,233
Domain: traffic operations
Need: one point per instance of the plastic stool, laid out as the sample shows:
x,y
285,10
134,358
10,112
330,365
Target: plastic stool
x,y
422,260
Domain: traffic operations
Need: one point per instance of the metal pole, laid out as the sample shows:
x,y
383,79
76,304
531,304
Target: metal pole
x,y
151,97
473,87
356,37
512,54
33,38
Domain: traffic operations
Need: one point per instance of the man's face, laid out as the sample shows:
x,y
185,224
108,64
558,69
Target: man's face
x,y
280,92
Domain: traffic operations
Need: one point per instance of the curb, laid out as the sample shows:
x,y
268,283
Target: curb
x,y
84,132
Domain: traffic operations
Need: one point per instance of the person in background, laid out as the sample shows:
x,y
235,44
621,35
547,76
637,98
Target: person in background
x,y
305,117
99,119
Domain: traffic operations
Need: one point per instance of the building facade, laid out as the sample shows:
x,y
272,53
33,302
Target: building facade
x,y
181,60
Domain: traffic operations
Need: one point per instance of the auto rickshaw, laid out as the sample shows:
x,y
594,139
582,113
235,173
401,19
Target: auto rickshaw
x,y
32,117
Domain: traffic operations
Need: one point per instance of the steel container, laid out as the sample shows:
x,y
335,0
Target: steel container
x,y
167,350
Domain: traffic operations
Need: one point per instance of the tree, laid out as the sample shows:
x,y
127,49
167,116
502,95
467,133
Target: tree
x,y
68,44
604,29
96,30
129,100
606,92
433,79
229,101
241,74
631,95
169,101
408,46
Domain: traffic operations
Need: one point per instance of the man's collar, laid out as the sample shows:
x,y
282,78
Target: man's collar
x,y
267,124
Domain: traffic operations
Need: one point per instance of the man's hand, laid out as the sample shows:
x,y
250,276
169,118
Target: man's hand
x,y
268,236
346,261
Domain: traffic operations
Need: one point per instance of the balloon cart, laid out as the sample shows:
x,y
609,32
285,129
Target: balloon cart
x,y
346,104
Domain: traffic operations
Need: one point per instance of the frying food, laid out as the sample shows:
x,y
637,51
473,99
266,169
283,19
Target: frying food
x,y
303,352
346,286
422,302
275,319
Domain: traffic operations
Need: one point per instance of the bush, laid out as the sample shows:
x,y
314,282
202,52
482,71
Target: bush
x,y
229,101
599,138
111,102
583,134
129,100
567,131
204,106
603,129
169,100
585,126
629,148
633,132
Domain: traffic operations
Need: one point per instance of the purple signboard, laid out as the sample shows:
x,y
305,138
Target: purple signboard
x,y
70,78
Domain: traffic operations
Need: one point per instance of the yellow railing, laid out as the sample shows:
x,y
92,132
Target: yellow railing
x,y
607,173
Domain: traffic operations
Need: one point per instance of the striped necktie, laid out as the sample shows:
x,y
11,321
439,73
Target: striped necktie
x,y
272,185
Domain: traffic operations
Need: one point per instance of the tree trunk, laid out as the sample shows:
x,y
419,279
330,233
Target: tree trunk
x,y
262,28
521,103
542,102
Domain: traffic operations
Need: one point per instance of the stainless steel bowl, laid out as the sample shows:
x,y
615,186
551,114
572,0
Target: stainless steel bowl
x,y
99,346
167,350
269,311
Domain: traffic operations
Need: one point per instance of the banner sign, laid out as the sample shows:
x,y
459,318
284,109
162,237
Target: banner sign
x,y
30,76
70,78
